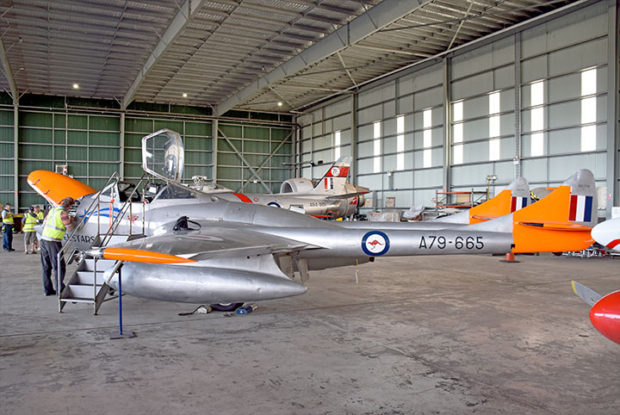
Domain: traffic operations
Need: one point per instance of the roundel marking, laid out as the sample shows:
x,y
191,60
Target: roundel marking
x,y
335,171
274,204
375,243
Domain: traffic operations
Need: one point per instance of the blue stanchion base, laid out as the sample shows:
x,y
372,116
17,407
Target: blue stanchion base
x,y
126,335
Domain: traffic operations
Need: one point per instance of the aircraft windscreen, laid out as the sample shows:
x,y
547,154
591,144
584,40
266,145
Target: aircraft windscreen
x,y
163,155
171,191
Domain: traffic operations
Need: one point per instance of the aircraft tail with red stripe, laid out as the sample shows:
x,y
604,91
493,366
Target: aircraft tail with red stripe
x,y
335,178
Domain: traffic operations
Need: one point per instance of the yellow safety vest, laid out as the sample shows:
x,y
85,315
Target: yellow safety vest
x,y
8,219
53,228
40,215
29,222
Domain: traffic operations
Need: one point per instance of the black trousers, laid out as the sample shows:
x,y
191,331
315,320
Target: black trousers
x,y
49,262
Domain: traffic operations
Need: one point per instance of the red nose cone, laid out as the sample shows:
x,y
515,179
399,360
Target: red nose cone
x,y
605,316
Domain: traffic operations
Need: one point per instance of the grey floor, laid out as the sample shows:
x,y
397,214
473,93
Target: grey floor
x,y
425,335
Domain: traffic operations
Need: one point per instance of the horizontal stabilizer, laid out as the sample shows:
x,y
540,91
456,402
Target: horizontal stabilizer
x,y
558,226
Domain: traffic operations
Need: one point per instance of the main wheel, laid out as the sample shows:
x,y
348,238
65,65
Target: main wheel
x,y
226,306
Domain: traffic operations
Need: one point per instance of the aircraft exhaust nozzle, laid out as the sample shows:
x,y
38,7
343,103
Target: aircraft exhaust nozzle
x,y
203,285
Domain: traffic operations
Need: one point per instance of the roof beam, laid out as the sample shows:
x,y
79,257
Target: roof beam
x,y
8,73
359,28
179,22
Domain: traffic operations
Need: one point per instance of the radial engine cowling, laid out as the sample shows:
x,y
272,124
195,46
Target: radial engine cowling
x,y
296,185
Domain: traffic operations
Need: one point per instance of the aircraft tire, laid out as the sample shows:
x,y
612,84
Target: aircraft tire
x,y
226,306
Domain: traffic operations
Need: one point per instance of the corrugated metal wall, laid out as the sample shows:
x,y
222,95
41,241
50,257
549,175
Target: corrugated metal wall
x,y
89,142
534,102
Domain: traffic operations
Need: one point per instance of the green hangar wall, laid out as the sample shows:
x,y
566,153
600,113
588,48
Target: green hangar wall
x,y
94,139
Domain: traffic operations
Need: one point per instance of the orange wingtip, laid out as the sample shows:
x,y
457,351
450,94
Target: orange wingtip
x,y
54,187
140,255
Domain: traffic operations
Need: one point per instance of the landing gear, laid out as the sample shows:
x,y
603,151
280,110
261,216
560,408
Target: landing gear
x,y
226,306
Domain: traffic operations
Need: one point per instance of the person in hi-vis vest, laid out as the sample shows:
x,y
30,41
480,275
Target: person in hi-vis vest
x,y
7,228
30,236
55,227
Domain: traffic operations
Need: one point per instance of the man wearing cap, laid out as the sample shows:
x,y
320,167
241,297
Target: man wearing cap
x,y
7,227
54,229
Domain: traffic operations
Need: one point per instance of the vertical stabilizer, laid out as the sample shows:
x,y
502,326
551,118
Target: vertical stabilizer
x,y
335,178
583,208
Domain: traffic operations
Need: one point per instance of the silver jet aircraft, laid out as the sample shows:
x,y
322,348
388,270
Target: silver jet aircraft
x,y
331,197
198,248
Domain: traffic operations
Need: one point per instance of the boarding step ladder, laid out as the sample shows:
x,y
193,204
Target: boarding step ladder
x,y
89,282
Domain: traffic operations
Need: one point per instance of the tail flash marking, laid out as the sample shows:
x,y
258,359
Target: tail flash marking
x,y
338,171
517,203
580,208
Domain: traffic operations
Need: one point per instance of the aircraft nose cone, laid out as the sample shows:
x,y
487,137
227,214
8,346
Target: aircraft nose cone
x,y
605,316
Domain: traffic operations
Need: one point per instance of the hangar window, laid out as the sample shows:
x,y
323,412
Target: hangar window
x,y
336,145
537,118
457,132
494,127
588,110
428,137
400,142
377,147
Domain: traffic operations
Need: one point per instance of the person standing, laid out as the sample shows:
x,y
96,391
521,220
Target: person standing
x,y
54,229
40,218
7,227
30,236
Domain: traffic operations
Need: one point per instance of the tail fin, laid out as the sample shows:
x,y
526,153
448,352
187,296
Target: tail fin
x,y
335,178
509,200
54,187
561,221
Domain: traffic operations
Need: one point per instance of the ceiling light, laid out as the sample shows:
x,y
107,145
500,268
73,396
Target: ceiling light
x,y
76,86
279,103
184,94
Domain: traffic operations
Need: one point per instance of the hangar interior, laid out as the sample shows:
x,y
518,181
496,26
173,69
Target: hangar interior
x,y
425,96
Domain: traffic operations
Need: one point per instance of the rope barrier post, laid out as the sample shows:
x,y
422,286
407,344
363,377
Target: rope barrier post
x,y
121,335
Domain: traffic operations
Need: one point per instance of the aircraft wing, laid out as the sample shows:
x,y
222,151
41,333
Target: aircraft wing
x,y
213,241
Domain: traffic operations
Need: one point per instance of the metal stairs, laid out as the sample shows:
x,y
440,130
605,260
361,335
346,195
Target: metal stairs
x,y
88,283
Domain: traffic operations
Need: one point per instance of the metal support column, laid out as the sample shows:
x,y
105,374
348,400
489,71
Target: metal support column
x,y
447,130
354,105
518,138
613,108
16,153
214,139
121,148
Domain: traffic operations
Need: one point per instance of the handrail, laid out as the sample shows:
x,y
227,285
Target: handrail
x,y
81,224
114,224
117,220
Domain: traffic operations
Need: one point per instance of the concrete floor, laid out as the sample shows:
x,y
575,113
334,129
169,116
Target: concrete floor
x,y
425,335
